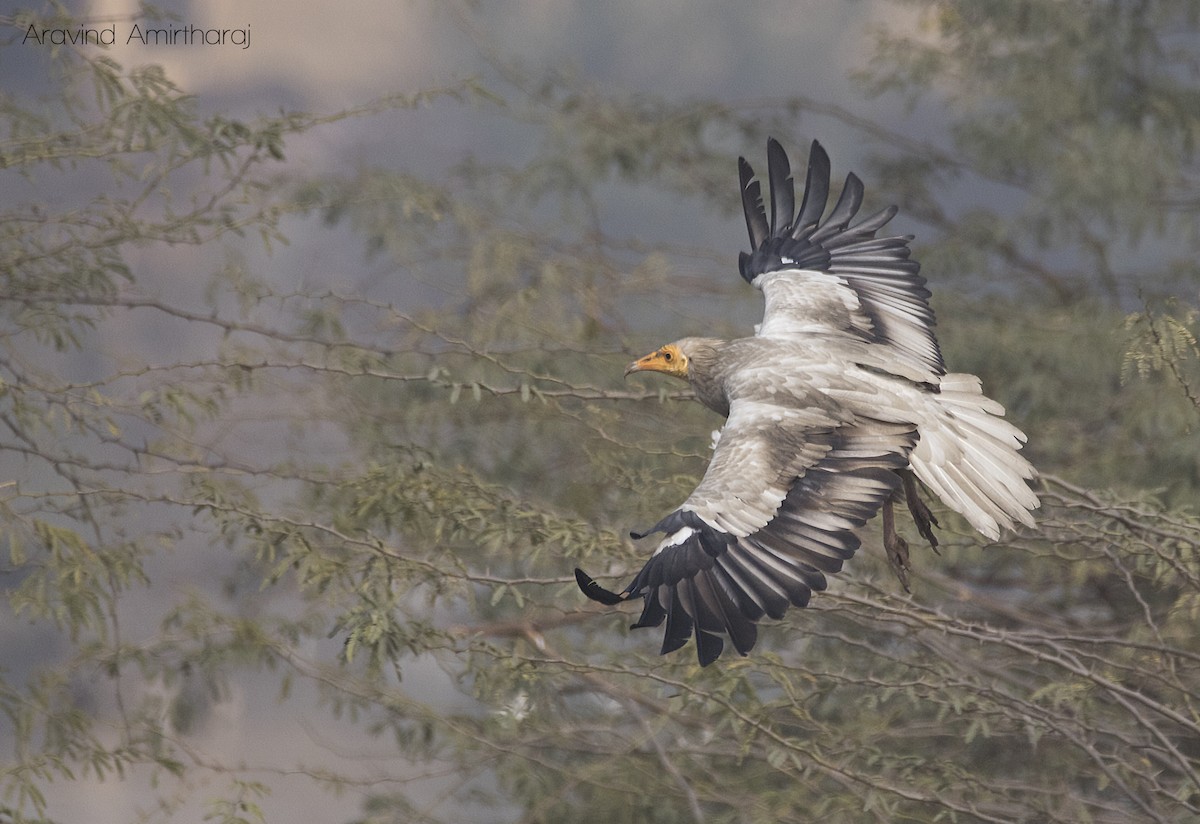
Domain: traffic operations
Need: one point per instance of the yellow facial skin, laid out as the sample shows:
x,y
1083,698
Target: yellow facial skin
x,y
668,360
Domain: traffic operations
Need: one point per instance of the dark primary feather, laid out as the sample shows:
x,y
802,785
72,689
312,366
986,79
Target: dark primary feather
x,y
801,239
783,195
816,188
846,208
752,205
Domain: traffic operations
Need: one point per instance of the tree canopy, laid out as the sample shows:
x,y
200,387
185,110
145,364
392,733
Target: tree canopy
x,y
245,496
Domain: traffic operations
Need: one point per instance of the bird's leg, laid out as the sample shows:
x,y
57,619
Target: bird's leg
x,y
920,512
895,546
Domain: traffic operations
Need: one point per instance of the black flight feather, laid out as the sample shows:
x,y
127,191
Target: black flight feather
x,y
594,591
783,190
816,192
752,205
847,207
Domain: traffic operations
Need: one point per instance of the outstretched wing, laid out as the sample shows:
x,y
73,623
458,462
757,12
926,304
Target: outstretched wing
x,y
832,279
774,513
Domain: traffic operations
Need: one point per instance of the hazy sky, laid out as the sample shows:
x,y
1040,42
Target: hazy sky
x,y
322,53
317,55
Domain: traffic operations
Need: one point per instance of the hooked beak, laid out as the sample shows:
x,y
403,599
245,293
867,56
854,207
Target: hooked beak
x,y
646,363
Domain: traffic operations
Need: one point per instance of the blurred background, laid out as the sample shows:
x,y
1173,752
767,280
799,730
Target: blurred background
x,y
311,342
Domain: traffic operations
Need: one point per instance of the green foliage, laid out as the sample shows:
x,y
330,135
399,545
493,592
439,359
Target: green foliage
x,y
1165,342
372,504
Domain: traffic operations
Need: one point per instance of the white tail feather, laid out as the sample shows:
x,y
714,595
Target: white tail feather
x,y
968,456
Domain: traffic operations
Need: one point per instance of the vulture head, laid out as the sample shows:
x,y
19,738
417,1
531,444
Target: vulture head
x,y
687,358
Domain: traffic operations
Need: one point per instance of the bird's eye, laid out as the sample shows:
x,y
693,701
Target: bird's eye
x,y
666,356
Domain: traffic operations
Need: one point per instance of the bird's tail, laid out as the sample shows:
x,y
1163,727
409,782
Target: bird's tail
x,y
968,456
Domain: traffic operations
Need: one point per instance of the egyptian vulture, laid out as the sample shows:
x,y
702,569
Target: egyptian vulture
x,y
832,408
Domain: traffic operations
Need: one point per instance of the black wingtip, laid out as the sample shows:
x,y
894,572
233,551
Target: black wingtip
x,y
816,191
783,198
708,647
589,587
847,207
752,205
817,154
